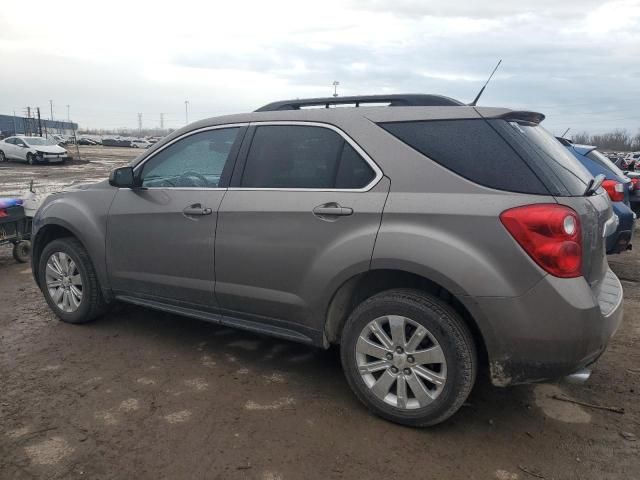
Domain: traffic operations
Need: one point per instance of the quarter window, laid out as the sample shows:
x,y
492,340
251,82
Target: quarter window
x,y
196,161
297,156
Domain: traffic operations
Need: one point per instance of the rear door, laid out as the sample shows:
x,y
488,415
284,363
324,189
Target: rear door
x,y
304,211
160,237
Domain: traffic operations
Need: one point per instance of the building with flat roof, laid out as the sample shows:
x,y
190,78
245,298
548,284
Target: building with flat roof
x,y
15,125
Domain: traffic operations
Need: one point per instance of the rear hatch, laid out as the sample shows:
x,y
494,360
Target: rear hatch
x,y
566,179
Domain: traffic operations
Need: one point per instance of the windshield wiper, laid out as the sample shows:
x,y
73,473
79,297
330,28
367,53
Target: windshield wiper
x,y
594,184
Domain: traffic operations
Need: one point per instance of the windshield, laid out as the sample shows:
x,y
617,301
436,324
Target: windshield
x,y
38,141
599,158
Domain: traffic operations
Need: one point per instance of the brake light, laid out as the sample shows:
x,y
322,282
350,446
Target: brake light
x,y
550,234
3,213
614,189
634,184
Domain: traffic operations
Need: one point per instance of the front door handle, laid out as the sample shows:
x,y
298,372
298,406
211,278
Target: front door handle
x,y
197,209
332,210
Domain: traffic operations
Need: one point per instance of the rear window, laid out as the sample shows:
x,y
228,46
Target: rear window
x,y
560,171
472,149
603,161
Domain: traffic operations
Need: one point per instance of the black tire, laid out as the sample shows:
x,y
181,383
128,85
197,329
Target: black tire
x,y
92,304
30,158
446,326
22,251
3,157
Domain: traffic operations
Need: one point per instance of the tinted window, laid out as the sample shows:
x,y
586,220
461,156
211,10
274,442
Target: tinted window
x,y
195,161
561,172
295,156
472,149
600,159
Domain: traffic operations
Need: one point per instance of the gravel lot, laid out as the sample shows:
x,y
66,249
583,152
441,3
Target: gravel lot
x,y
142,394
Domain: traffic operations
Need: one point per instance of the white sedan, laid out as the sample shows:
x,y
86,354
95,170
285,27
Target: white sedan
x,y
32,150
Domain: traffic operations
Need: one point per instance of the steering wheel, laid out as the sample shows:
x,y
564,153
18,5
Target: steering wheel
x,y
184,182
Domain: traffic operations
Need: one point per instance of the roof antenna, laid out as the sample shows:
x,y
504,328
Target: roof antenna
x,y
565,132
475,100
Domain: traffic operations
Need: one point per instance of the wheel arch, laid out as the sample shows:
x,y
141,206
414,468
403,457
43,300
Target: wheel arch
x,y
56,228
364,285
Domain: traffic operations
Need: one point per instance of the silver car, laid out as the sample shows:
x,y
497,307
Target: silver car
x,y
427,238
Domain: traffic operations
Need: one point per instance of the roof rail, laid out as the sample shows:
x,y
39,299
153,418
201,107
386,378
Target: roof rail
x,y
399,100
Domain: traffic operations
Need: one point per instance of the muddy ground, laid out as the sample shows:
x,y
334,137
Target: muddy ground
x,y
141,394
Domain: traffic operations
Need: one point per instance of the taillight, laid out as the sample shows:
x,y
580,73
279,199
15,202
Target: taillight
x,y
550,234
614,189
635,184
3,212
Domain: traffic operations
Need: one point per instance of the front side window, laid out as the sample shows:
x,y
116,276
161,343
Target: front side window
x,y
196,161
297,156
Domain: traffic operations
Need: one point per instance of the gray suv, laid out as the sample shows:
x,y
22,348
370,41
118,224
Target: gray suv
x,y
425,237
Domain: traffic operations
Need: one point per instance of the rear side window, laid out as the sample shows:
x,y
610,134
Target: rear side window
x,y
600,159
296,156
472,149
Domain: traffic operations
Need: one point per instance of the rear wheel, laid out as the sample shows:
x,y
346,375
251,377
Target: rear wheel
x,y
69,281
409,357
3,158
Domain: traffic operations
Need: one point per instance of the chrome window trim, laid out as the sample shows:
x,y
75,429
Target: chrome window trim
x,y
142,162
347,138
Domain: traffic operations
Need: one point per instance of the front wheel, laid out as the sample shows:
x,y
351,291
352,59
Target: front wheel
x,y
69,281
3,157
30,159
409,357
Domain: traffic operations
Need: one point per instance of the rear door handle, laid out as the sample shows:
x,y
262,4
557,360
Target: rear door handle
x,y
332,210
197,209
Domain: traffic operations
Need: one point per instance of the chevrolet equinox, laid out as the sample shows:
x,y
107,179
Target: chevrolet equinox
x,y
423,236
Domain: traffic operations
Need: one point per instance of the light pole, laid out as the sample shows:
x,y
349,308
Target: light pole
x,y
51,108
335,88
68,116
186,111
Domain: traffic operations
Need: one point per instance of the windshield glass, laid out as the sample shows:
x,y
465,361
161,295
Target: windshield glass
x,y
599,158
38,141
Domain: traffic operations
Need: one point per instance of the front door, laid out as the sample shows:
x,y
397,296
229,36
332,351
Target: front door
x,y
160,241
306,212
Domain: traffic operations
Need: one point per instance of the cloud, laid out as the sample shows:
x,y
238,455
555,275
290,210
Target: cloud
x,y
573,60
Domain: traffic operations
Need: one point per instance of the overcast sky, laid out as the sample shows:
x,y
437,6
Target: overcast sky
x,y
577,61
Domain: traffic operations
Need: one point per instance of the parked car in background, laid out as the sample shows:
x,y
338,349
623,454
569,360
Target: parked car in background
x,y
424,242
32,150
618,187
631,161
140,143
116,142
87,141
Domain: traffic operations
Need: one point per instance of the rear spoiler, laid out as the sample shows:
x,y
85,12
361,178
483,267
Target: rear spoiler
x,y
524,116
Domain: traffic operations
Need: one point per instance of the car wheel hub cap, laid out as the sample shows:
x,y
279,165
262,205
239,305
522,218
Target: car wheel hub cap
x,y
64,282
401,362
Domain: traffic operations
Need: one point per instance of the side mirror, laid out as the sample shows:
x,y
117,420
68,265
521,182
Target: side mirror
x,y
122,177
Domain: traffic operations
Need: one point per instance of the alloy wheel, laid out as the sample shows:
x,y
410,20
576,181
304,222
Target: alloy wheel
x,y
64,282
401,362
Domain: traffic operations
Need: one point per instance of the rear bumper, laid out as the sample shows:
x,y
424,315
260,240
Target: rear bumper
x,y
555,329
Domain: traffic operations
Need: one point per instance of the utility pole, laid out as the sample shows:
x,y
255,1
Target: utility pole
x,y
51,108
39,123
68,116
162,121
335,88
186,111
14,123
140,123
28,123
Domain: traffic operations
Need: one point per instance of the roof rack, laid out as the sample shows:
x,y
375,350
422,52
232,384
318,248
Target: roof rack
x,y
407,100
